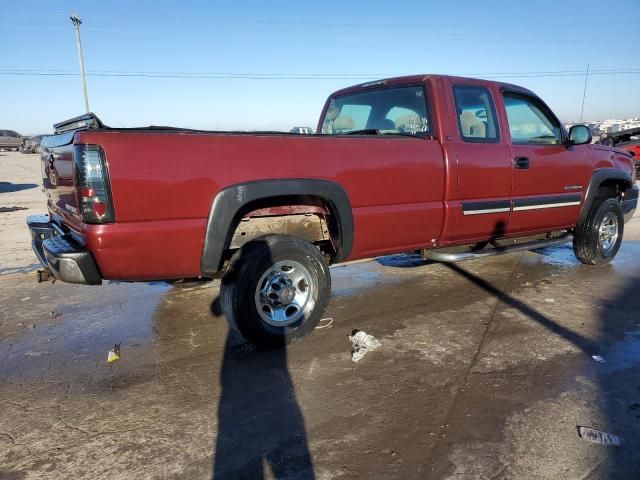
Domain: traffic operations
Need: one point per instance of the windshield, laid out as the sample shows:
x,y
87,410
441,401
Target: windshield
x,y
392,110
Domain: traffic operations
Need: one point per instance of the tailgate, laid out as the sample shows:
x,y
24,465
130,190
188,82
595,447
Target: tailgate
x,y
58,178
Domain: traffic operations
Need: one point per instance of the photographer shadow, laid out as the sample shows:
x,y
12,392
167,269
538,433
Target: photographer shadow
x,y
260,424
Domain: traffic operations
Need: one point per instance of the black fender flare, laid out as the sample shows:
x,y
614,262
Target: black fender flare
x,y
599,176
228,204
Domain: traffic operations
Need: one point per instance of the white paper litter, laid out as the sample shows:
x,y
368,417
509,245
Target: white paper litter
x,y
596,436
598,358
361,343
324,323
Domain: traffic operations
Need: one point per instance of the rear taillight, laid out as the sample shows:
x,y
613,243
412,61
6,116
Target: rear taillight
x,y
92,184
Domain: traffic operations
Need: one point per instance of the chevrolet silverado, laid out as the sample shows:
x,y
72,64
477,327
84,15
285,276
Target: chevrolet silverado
x,y
454,168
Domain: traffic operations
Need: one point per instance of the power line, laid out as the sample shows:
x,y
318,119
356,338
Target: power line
x,y
221,21
301,76
406,35
369,74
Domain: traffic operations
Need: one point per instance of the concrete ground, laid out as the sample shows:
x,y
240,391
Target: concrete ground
x,y
485,371
20,196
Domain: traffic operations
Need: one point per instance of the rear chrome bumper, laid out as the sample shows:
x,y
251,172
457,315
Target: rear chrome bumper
x,y
60,254
630,202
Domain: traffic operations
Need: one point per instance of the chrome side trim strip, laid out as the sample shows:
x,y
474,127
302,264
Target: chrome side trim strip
x,y
483,207
489,210
545,205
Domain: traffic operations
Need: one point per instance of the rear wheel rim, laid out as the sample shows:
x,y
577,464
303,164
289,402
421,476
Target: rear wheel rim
x,y
285,293
608,232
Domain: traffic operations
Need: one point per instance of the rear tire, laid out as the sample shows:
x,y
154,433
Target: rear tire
x,y
597,239
275,290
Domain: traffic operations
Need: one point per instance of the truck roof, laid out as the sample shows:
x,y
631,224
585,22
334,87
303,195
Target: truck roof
x,y
412,79
90,121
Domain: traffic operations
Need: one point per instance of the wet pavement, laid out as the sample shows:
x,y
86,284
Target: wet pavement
x,y
486,370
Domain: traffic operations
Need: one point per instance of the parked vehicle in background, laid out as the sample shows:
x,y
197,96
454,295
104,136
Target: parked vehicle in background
x,y
424,163
302,130
31,144
613,139
10,140
633,148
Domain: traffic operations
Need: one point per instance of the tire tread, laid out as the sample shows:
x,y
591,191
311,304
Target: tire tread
x,y
235,283
585,240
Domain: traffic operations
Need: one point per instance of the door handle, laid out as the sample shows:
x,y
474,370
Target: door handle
x,y
521,163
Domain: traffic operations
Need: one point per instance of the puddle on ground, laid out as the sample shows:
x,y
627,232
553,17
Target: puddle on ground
x,y
90,320
86,327
558,255
623,354
355,277
11,270
403,260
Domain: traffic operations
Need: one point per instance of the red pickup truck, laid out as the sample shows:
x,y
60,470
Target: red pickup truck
x,y
452,167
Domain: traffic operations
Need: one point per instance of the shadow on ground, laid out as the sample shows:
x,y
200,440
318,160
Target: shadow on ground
x,y
619,381
583,343
259,420
8,187
260,424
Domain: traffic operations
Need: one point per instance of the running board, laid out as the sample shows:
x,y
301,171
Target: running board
x,y
490,252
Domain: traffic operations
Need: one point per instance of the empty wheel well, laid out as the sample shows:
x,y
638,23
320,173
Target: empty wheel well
x,y
324,199
612,188
307,217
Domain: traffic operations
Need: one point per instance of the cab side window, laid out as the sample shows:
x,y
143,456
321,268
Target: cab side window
x,y
529,122
476,114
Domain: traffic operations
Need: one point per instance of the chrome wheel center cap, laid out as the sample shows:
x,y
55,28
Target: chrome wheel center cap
x,y
286,295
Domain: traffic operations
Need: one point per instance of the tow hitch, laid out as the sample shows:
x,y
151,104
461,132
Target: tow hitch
x,y
45,276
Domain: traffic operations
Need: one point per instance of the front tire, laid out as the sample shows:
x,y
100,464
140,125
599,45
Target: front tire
x,y
597,239
275,290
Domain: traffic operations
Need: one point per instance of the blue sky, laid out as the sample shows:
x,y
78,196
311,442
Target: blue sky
x,y
352,41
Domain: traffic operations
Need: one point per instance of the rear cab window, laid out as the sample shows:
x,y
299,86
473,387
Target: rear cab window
x,y
397,110
530,122
476,114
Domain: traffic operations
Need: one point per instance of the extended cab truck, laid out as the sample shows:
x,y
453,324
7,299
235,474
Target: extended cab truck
x,y
420,163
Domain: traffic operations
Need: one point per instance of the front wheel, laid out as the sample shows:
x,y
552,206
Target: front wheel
x,y
597,239
275,290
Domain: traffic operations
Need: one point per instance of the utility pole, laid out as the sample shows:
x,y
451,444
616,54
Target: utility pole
x,y
584,93
76,24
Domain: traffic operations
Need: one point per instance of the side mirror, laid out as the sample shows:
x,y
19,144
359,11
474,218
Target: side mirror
x,y
579,135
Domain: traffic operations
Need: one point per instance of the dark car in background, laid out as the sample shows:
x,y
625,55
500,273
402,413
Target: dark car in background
x,y
31,144
10,140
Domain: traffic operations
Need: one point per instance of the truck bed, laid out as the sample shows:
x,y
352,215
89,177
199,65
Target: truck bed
x,y
163,181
